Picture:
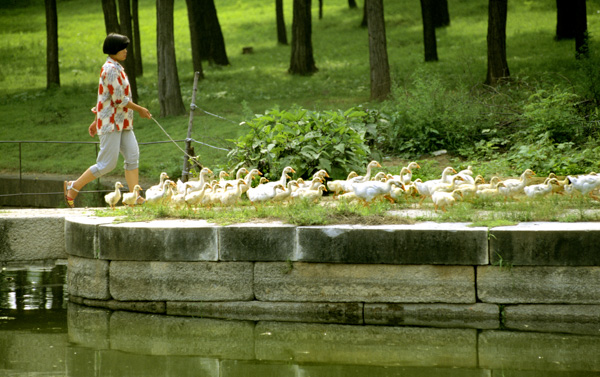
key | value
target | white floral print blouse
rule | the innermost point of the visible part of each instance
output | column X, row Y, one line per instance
column 113, row 94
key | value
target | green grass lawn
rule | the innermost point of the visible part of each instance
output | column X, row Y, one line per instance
column 253, row 83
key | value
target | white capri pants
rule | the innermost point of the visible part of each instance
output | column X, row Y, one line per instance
column 110, row 145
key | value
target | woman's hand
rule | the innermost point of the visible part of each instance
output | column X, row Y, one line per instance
column 144, row 113
column 93, row 130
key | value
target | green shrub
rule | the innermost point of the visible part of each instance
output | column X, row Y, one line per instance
column 429, row 117
column 337, row 141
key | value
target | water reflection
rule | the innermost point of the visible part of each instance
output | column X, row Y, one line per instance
column 39, row 336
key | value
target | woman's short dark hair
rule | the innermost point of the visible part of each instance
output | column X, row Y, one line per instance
column 114, row 43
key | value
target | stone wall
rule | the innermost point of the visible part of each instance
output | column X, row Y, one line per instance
column 538, row 276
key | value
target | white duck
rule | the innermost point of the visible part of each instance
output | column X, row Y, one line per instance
column 131, row 198
column 313, row 185
column 283, row 180
column 231, row 197
column 488, row 192
column 442, row 199
column 406, row 175
column 222, row 175
column 367, row 191
column 585, row 184
column 248, row 179
column 178, row 199
column 541, row 189
column 513, row 187
column 370, row 166
column 202, row 179
column 341, row 185
column 283, row 195
column 313, row 195
column 470, row 189
column 113, row 198
column 161, row 196
column 194, row 198
column 159, row 186
column 260, row 195
column 492, row 185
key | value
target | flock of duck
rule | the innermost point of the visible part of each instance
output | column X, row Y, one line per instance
column 444, row 192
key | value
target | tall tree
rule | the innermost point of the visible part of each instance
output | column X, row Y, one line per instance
column 52, row 70
column 281, row 32
column 127, row 29
column 212, row 43
column 139, row 69
column 195, row 37
column 497, row 66
column 302, row 60
column 441, row 16
column 320, row 9
column 365, row 19
column 111, row 18
column 565, row 19
column 352, row 4
column 581, row 34
column 169, row 92
column 429, row 40
column 378, row 57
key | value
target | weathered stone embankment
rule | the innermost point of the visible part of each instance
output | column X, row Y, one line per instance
column 531, row 276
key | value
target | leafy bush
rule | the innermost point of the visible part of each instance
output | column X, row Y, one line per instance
column 337, row 141
column 429, row 117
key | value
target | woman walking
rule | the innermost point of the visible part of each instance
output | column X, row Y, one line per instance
column 114, row 121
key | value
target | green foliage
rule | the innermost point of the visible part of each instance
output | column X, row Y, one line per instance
column 428, row 116
column 336, row 141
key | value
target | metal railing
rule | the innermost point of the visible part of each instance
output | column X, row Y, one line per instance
column 96, row 143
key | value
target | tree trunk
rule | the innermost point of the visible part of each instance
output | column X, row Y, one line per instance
column 565, row 19
column 195, row 37
column 581, row 34
column 352, row 4
column 429, row 40
column 441, row 16
column 111, row 19
column 52, row 70
column 210, row 31
column 281, row 32
column 169, row 92
column 320, row 9
column 496, row 42
column 378, row 57
column 139, row 69
column 129, row 63
column 302, row 60
column 365, row 20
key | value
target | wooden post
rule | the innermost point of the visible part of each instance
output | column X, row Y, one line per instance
column 188, row 142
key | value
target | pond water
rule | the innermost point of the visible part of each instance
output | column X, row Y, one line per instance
column 42, row 334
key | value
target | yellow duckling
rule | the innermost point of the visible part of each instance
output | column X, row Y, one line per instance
column 131, row 198
column 113, row 198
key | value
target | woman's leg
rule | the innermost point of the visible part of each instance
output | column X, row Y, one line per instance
column 106, row 162
column 131, row 155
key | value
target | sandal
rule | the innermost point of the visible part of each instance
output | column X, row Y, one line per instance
column 66, row 187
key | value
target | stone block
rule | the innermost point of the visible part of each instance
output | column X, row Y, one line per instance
column 546, row 244
column 478, row 316
column 347, row 313
column 31, row 238
column 366, row 345
column 181, row 281
column 506, row 350
column 246, row 368
column 88, row 278
column 427, row 243
column 152, row 334
column 88, row 327
column 81, row 235
column 162, row 240
column 257, row 242
column 575, row 319
column 322, row 282
column 538, row 285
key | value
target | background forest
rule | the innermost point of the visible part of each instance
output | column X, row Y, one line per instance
column 545, row 117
